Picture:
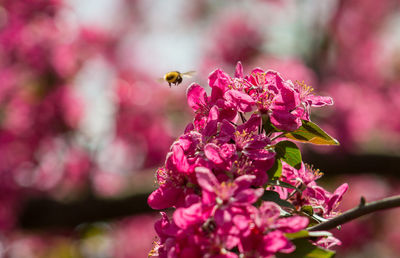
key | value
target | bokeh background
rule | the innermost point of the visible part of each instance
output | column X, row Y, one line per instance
column 84, row 123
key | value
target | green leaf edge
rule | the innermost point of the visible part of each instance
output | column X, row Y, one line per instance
column 320, row 137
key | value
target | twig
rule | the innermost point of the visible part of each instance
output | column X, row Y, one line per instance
column 277, row 136
column 387, row 203
column 242, row 117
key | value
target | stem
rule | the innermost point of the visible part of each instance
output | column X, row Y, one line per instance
column 242, row 117
column 277, row 136
column 387, row 203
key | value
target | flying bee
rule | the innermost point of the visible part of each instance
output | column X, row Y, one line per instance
column 176, row 77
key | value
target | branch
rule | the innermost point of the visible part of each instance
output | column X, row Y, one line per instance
column 350, row 164
column 40, row 213
column 362, row 209
column 46, row 213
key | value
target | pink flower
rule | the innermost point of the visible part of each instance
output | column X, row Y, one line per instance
column 264, row 233
column 323, row 202
column 308, row 100
column 213, row 173
column 209, row 108
column 275, row 97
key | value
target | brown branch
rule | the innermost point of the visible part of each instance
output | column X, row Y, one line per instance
column 40, row 213
column 361, row 210
column 44, row 213
column 350, row 164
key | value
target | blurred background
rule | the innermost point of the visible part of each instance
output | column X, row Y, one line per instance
column 84, row 123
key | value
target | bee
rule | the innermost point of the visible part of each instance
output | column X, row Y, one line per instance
column 176, row 77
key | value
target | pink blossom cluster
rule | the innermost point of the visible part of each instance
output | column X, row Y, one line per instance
column 363, row 75
column 41, row 110
column 38, row 104
column 215, row 175
column 323, row 202
column 42, row 147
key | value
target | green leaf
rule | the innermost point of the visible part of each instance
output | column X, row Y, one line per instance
column 272, row 196
column 311, row 133
column 307, row 209
column 299, row 234
column 305, row 234
column 319, row 233
column 283, row 184
column 304, row 249
column 267, row 125
column 276, row 170
column 289, row 152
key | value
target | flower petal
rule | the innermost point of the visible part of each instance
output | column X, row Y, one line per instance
column 239, row 70
column 164, row 197
column 319, row 101
column 292, row 224
column 206, row 179
column 249, row 195
column 284, row 120
column 218, row 81
column 212, row 152
column 276, row 242
column 196, row 96
column 185, row 217
column 240, row 100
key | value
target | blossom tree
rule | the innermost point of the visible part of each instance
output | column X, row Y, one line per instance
column 236, row 179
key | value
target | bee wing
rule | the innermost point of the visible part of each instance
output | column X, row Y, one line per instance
column 160, row 80
column 188, row 74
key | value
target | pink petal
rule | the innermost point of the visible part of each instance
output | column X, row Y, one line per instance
column 192, row 199
column 337, row 196
column 210, row 129
column 227, row 129
column 292, row 224
column 196, row 96
column 284, row 120
column 189, row 127
column 319, row 101
column 213, row 114
column 244, row 182
column 249, row 195
column 185, row 217
column 251, row 125
column 341, row 190
column 241, row 222
column 226, row 112
column 227, row 150
column 218, row 81
column 179, row 159
column 222, row 217
column 254, row 77
column 269, row 210
column 206, row 179
column 274, row 78
column 212, row 152
column 240, row 100
column 255, row 149
column 239, row 70
column 288, row 98
column 275, row 242
column 164, row 197
column 164, row 227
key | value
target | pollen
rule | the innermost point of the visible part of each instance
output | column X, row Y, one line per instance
column 304, row 88
column 313, row 170
column 242, row 134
